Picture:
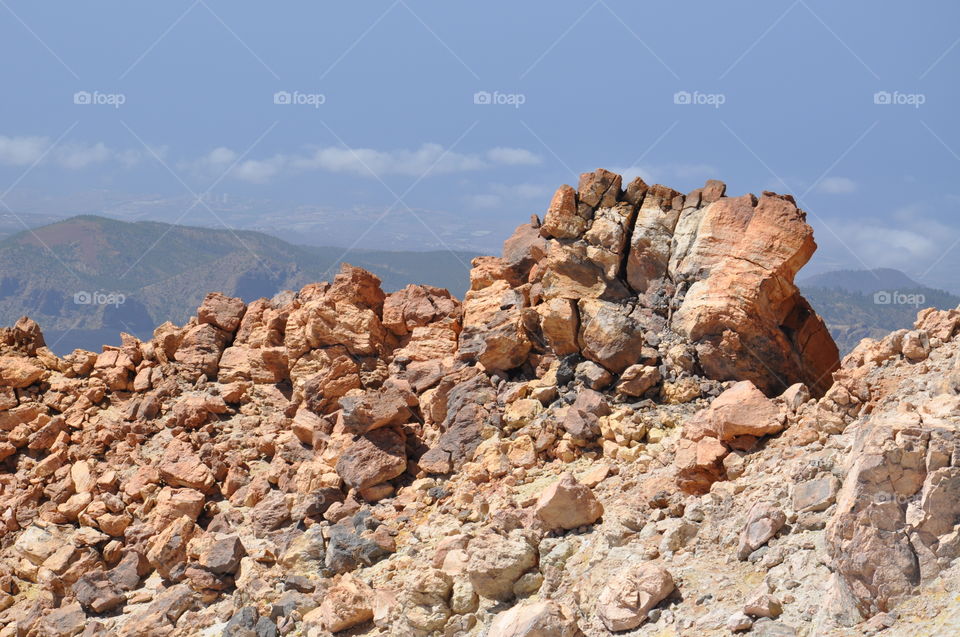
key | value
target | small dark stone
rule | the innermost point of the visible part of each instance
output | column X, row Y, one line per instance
column 365, row 521
column 347, row 551
column 265, row 628
column 567, row 369
column 437, row 493
column 291, row 601
column 223, row 556
column 299, row 583
column 97, row 593
column 128, row 571
column 243, row 620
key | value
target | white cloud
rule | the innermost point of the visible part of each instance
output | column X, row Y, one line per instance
column 837, row 186
column 631, row 173
column 214, row 163
column 429, row 158
column 25, row 151
column 513, row 156
column 505, row 194
column 908, row 239
column 22, row 151
column 77, row 156
column 259, row 171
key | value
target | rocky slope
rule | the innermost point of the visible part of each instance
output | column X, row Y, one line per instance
column 633, row 423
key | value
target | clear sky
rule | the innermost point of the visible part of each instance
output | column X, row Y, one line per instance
column 851, row 106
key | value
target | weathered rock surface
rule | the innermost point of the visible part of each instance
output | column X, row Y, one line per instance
column 623, row 604
column 567, row 504
column 633, row 422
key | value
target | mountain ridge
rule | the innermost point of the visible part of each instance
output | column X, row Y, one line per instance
column 160, row 269
column 859, row 304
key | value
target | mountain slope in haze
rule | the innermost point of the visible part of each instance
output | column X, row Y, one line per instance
column 859, row 304
column 372, row 226
column 89, row 274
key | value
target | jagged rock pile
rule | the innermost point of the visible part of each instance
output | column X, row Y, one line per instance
column 631, row 411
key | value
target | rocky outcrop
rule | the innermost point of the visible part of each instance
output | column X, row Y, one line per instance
column 623, row 266
column 537, row 460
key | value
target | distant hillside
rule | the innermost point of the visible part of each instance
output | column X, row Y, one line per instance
column 859, row 304
column 862, row 281
column 86, row 275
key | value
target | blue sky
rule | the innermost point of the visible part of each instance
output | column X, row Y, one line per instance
column 778, row 95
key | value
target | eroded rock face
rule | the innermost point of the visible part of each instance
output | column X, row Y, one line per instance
column 537, row 619
column 897, row 510
column 403, row 463
column 623, row 604
column 715, row 270
column 743, row 310
column 567, row 504
column 496, row 563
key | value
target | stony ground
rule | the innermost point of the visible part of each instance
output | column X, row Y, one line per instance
column 631, row 425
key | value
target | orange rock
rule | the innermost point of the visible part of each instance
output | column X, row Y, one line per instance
column 567, row 504
column 741, row 410
column 562, row 220
column 222, row 311
column 17, row 371
column 181, row 467
column 699, row 464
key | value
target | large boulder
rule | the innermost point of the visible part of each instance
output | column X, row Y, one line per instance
column 496, row 563
column 624, row 602
column 373, row 458
column 567, row 504
column 222, row 311
column 493, row 333
column 18, row 371
column 742, row 309
column 623, row 267
column 535, row 619
column 742, row 410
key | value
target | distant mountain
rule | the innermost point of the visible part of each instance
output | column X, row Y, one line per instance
column 90, row 276
column 859, row 304
column 374, row 227
column 11, row 224
column 862, row 281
